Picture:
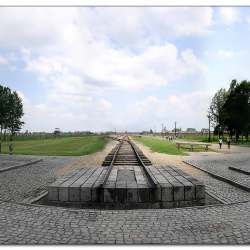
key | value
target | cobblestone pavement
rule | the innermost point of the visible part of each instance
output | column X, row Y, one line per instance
column 29, row 181
column 32, row 224
column 218, row 165
column 221, row 190
column 234, row 149
column 7, row 161
column 25, row 224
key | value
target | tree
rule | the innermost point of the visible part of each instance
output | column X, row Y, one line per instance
column 231, row 109
column 236, row 109
column 11, row 112
column 215, row 109
column 5, row 94
column 14, row 123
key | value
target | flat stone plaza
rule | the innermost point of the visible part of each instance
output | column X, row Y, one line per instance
column 23, row 221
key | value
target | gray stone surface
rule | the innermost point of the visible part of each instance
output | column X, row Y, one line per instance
column 219, row 189
column 21, row 183
column 28, row 224
column 219, row 166
column 243, row 169
column 8, row 162
column 25, row 224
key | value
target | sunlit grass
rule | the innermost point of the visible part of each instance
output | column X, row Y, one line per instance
column 67, row 146
column 159, row 145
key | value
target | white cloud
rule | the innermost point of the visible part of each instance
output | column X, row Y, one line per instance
column 48, row 26
column 75, row 115
column 248, row 19
column 226, row 54
column 155, row 66
column 84, row 43
column 135, row 26
column 77, row 53
column 44, row 66
column 229, row 15
column 106, row 105
column 141, row 26
column 155, row 111
column 3, row 60
column 98, row 114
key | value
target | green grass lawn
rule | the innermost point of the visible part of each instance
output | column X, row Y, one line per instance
column 67, row 146
column 214, row 139
column 159, row 145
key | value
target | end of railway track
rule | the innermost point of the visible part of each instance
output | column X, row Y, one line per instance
column 127, row 180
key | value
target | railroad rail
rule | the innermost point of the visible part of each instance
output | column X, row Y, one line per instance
column 127, row 179
column 127, row 153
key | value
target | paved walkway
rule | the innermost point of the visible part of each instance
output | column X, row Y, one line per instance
column 219, row 166
column 234, row 149
column 32, row 224
column 223, row 224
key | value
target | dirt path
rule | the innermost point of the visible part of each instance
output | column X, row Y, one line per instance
column 233, row 149
column 97, row 158
column 160, row 158
column 91, row 160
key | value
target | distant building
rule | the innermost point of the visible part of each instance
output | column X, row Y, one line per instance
column 204, row 130
column 178, row 131
column 191, row 130
column 57, row 131
column 26, row 133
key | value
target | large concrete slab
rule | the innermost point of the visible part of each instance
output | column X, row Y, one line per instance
column 128, row 186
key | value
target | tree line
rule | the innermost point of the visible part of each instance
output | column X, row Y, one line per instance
column 11, row 112
column 230, row 110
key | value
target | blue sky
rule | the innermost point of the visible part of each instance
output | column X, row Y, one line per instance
column 121, row 68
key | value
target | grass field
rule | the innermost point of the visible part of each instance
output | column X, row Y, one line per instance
column 214, row 139
column 66, row 146
column 159, row 145
column 43, row 135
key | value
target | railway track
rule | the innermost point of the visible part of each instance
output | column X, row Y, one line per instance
column 127, row 179
column 126, row 153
